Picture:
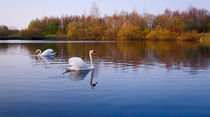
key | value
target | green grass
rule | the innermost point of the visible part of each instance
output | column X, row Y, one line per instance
column 54, row 36
column 11, row 37
column 50, row 36
column 206, row 35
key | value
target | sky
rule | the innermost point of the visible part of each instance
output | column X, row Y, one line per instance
column 19, row 13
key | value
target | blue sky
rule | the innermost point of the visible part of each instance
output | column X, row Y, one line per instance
column 18, row 13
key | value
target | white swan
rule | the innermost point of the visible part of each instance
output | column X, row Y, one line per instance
column 77, row 63
column 47, row 52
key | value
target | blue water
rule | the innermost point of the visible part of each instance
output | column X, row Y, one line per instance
column 131, row 79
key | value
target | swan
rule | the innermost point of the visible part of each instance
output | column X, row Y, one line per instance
column 47, row 52
column 77, row 64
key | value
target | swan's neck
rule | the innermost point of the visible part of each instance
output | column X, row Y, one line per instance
column 39, row 52
column 91, row 61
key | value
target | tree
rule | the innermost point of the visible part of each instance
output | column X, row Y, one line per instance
column 53, row 26
column 129, row 32
column 149, row 18
column 31, row 33
column 122, row 25
column 4, row 31
column 36, row 24
column 94, row 11
column 73, row 31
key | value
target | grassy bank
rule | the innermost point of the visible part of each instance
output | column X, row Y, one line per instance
column 204, row 36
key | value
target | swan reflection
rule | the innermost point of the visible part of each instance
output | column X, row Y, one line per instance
column 92, row 85
column 78, row 75
column 81, row 75
column 46, row 59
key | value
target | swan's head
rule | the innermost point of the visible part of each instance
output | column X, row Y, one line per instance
column 92, row 52
column 37, row 51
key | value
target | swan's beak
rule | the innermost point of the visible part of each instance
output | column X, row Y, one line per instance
column 94, row 52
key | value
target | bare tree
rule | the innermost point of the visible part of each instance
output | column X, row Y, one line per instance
column 94, row 11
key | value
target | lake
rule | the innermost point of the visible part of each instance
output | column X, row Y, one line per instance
column 131, row 78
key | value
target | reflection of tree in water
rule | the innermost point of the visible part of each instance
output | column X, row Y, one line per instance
column 12, row 49
column 3, row 47
column 135, row 53
column 175, row 55
column 181, row 54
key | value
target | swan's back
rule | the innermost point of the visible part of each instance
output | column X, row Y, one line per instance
column 48, row 52
column 78, row 64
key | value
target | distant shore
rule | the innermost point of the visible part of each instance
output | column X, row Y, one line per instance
column 203, row 37
column 192, row 24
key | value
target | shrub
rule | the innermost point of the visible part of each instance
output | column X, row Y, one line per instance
column 31, row 33
column 161, row 34
column 129, row 32
column 190, row 35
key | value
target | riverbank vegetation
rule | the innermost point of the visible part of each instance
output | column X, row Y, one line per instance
column 171, row 25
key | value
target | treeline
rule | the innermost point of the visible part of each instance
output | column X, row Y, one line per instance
column 171, row 25
column 6, row 33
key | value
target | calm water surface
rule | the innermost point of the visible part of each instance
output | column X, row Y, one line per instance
column 140, row 78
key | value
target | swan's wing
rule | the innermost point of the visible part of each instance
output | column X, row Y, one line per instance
column 47, row 52
column 78, row 63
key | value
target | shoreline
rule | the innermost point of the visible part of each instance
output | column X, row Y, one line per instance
column 59, row 39
column 203, row 37
column 41, row 39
